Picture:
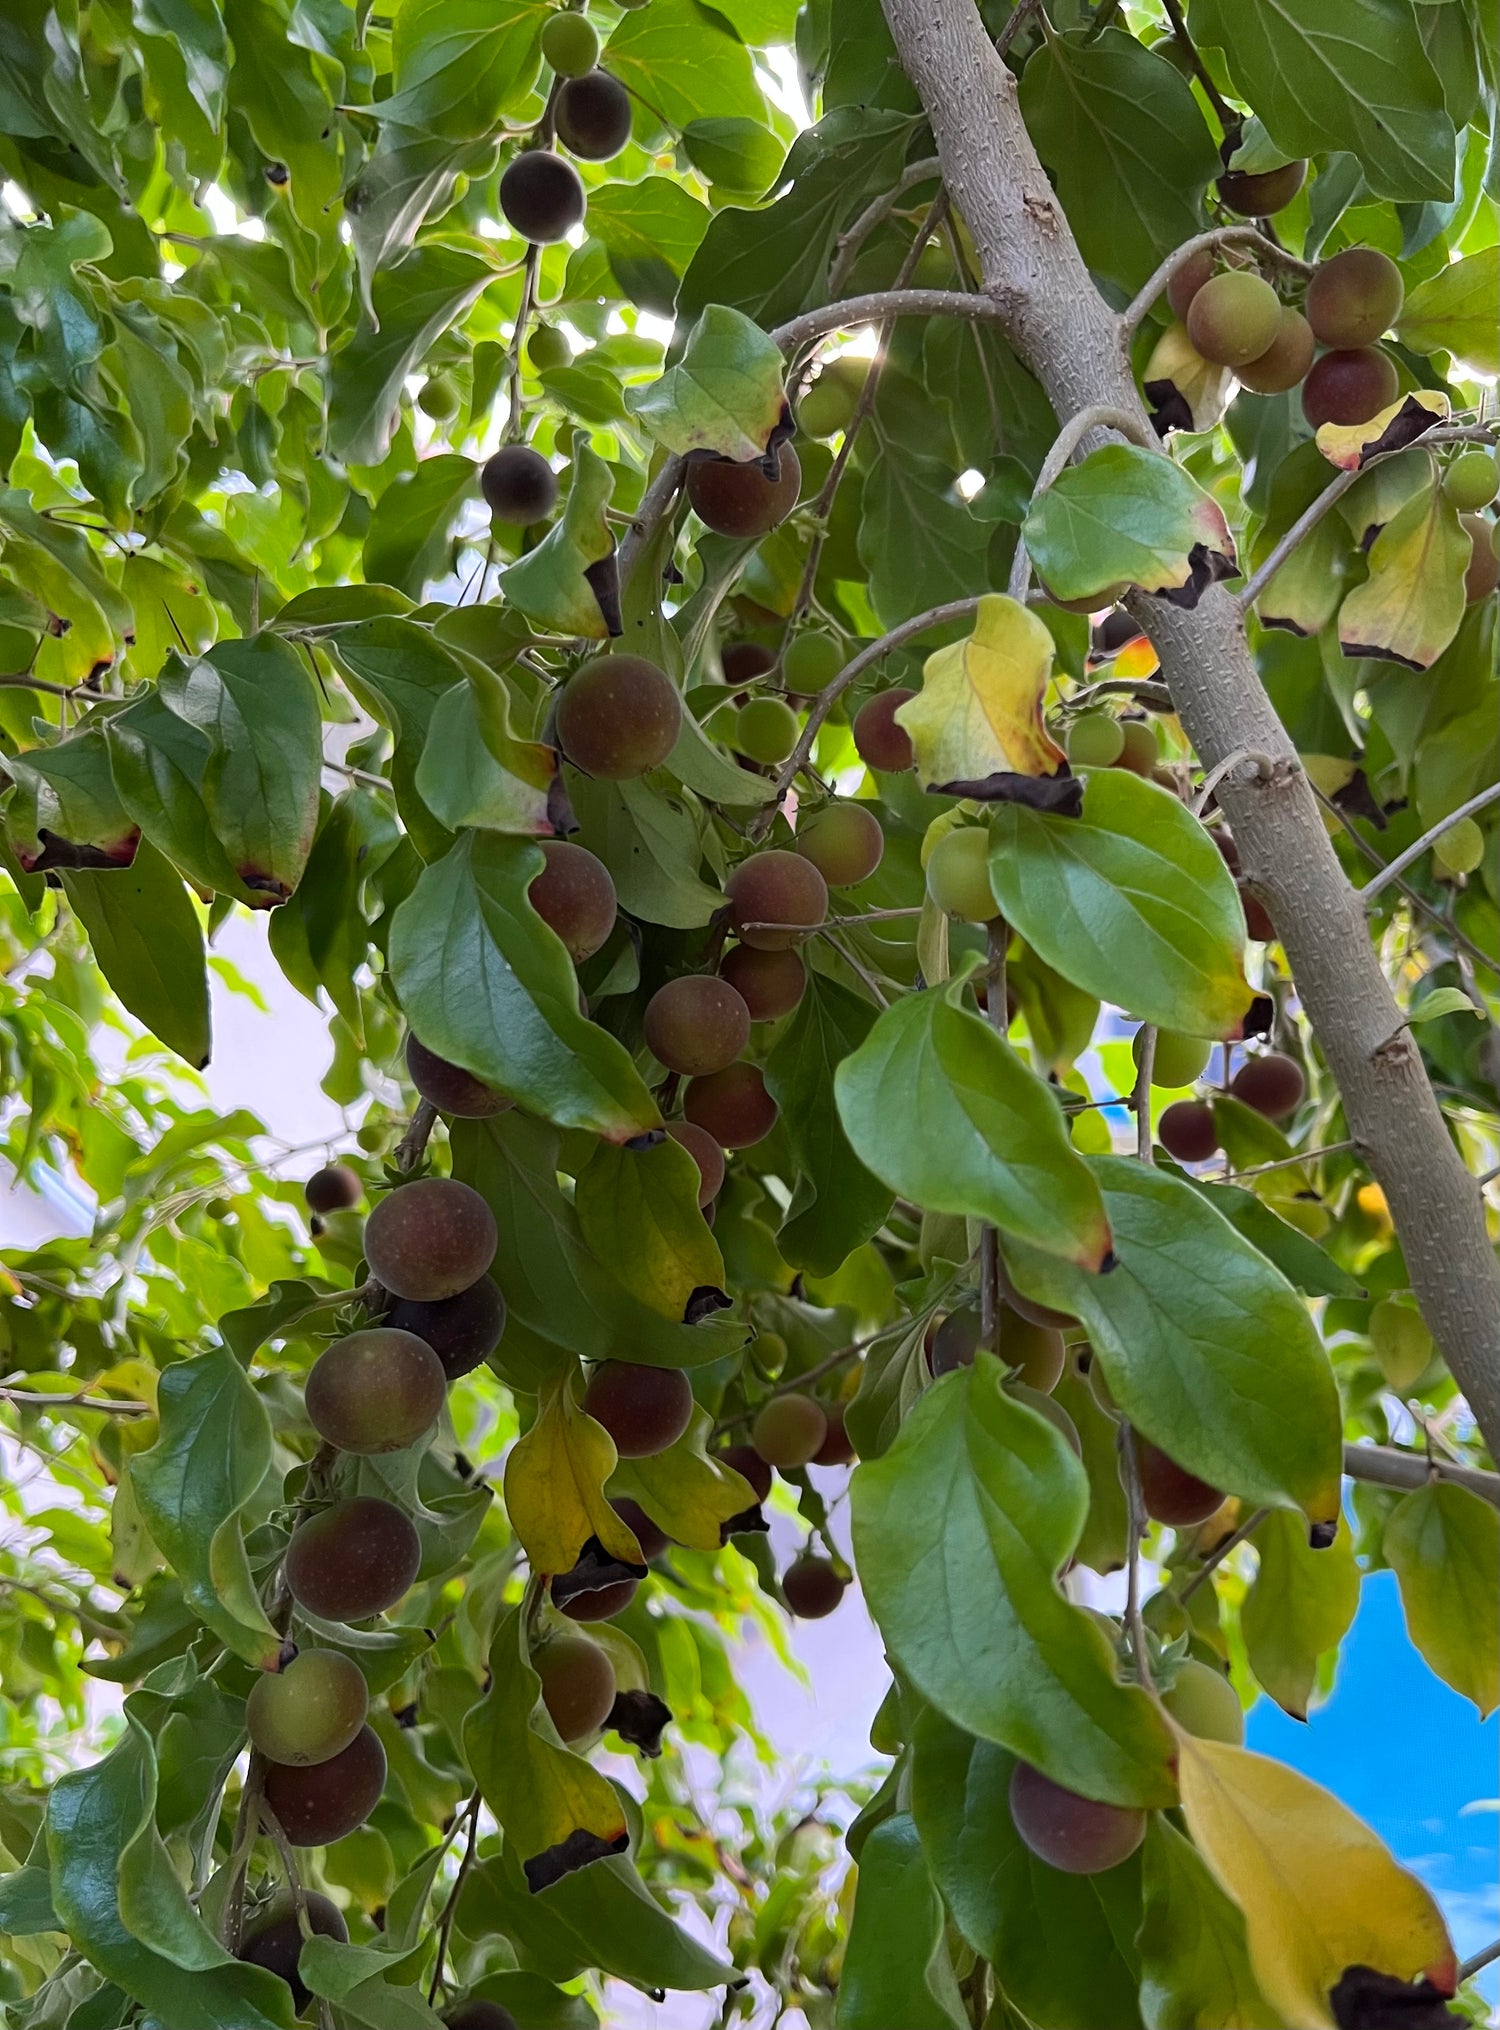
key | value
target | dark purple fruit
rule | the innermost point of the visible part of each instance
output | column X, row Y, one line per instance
column 1273, row 1085
column 1349, row 387
column 1186, row 1130
column 430, row 1239
column 811, row 1588
column 542, row 196
column 738, row 500
column 1172, row 1494
column 450, row 1088
column 462, row 1331
column 335, row 1188
column 318, row 1805
column 353, row 1560
column 1258, row 195
column 477, row 2013
column 748, row 1464
column 275, row 1942
column 644, row 1409
column 652, row 1539
column 837, row 1448
column 593, row 116
column 519, row 485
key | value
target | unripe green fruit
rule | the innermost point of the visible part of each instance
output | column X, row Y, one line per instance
column 1204, row 1703
column 958, row 875
column 1140, row 752
column 788, row 1430
column 1178, row 1060
column 829, row 404
column 308, row 1712
column 438, row 398
column 1233, row 318
column 548, row 347
column 768, row 1352
column 844, row 842
column 1402, row 1343
column 766, row 730
column 1095, row 741
column 578, row 1684
column 1035, row 1351
column 570, row 44
column 1472, row 480
column 813, row 660
column 1460, row 849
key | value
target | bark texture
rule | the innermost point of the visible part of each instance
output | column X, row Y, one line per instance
column 1072, row 341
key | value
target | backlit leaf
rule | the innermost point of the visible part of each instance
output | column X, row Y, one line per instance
column 686, row 1490
column 549, row 584
column 148, row 942
column 638, row 1208
column 1125, row 516
column 1454, row 312
column 554, row 1486
column 896, row 1969
column 1408, row 609
column 980, row 707
column 1300, row 1606
column 1443, row 1543
column 724, row 395
column 1195, row 1969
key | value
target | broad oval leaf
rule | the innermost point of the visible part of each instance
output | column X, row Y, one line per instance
column 638, row 1210
column 1443, row 1543
column 980, row 707
column 1128, row 517
column 1195, row 1967
column 1301, row 1606
column 148, row 942
column 1455, row 312
column 1409, row 608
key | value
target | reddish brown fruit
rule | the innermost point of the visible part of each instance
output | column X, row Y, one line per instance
column 652, row 1539
column 353, row 1560
column 1189, row 279
column 578, row 1684
column 275, row 1943
column 1172, row 1494
column 732, row 1106
column 450, row 1088
column 1273, row 1085
column 1068, row 1832
column 811, row 1588
column 1258, row 924
column 462, row 1331
column 644, row 1409
column 837, row 1448
column 769, row 983
column 1349, row 387
column 880, row 742
column 696, row 1025
column 1259, row 195
column 317, row 1805
column 743, row 661
column 430, row 1239
column 1483, row 573
column 738, row 500
column 1286, row 359
column 376, row 1391
column 1355, row 297
column 748, row 1464
column 619, row 715
column 335, row 1188
column 574, row 895
column 775, row 888
column 706, row 1153
column 600, row 1603
column 1186, row 1130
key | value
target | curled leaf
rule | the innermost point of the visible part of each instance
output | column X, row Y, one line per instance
column 1128, row 517
column 554, row 1487
column 551, row 584
column 1352, row 445
column 726, row 394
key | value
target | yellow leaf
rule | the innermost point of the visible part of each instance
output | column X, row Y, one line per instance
column 1409, row 608
column 554, row 1486
column 979, row 711
column 1351, row 445
column 1319, row 1891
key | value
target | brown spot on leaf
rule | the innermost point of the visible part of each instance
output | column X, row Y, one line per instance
column 1411, row 421
column 576, row 1851
column 1205, row 567
column 603, row 581
column 1061, row 793
column 60, row 852
column 703, row 1303
column 1364, row 1999
column 595, row 1570
column 1169, row 407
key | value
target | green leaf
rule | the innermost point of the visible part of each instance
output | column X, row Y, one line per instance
column 1454, row 312
column 896, row 1966
column 736, row 154
column 409, row 539
column 488, row 985
column 1132, row 902
column 1195, row 1967
column 994, row 1143
column 1129, row 151
column 724, row 395
column 554, row 1809
column 1443, row 1543
column 398, row 671
column 1409, row 607
column 413, row 305
column 320, row 937
column 686, row 1490
column 1103, row 1542
column 1301, row 1606
column 560, row 1296
column 918, row 540
column 1127, row 517
column 461, row 778
column 1203, row 1344
column 1442, row 1001
column 26, row 1902
column 698, row 765
column 160, row 762
column 892, row 1376
column 651, row 842
column 682, row 62
column 1306, row 1266
column 549, row 585
column 103, row 1847
column 148, row 943
column 64, row 810
column 1012, row 1908
column 638, row 1208
column 1340, row 74
column 193, row 1486
column 650, row 231
column 960, row 1531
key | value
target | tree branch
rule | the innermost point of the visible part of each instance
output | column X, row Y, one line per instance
column 1063, row 330
column 856, row 310
column 1221, row 236
column 1395, row 868
column 1387, row 1467
column 848, row 244
column 1229, row 120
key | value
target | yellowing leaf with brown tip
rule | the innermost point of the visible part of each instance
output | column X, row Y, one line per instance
column 1351, row 445
column 554, row 1486
column 1185, row 391
column 1409, row 608
column 979, row 711
column 1319, row 1891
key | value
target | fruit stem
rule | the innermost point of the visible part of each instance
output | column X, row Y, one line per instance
column 1136, row 1526
column 1418, row 902
column 409, row 1150
column 1220, row 1552
column 1394, row 868
column 246, row 1826
column 470, row 1813
column 1229, row 120
column 288, row 1861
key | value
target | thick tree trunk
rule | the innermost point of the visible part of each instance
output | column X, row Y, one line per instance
column 1070, row 338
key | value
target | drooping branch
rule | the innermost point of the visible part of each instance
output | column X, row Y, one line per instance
column 1394, row 869
column 1062, row 329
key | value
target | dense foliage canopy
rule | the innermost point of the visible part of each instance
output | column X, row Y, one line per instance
column 612, row 570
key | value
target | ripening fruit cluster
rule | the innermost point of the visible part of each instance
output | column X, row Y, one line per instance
column 541, row 194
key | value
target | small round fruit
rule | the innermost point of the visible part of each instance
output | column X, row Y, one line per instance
column 1472, row 480
column 1172, row 1494
column 578, row 1684
column 770, row 983
column 450, row 1088
column 788, row 1430
column 881, row 743
column 477, row 2013
column 1188, row 279
column 600, row 1603
column 1273, row 1085
column 829, row 404
column 766, row 730
column 768, row 1354
column 1403, row 1345
column 1095, row 741
column 732, row 1106
column 1460, row 849
column 547, row 348
column 518, row 485
column 574, row 895
column 748, row 1464
column 644, row 1409
column 1259, row 194
column 1178, row 1060
column 706, row 1153
column 618, row 716
column 813, row 660
column 1285, row 360
column 1204, row 1703
column 463, row 1331
column 570, row 43
column 334, row 1188
column 743, row 661
column 837, row 1448
column 275, row 1943
column 593, row 116
column 696, row 1024
column 1038, row 1352
column 1233, row 318
column 1483, row 574
column 651, row 1537
column 308, row 1711
column 353, row 1560
column 1354, row 297
column 1139, row 749
column 542, row 196
column 1349, row 387
column 844, row 842
column 1186, row 1131
column 438, row 397
column 316, row 1806
column 953, row 1343
column 376, row 1391
column 1075, row 1834
column 958, row 875
column 812, row 1588
column 739, row 500
column 775, row 898
column 430, row 1239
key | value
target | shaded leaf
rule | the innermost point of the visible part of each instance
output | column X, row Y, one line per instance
column 638, row 1209
column 409, row 539
column 1410, row 416
column 64, row 810
column 462, row 778
column 1195, row 1969
column 550, row 584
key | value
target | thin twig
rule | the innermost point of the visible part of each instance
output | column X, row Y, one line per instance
column 518, row 339
column 1140, row 1098
column 1290, row 1162
column 1220, row 1552
column 41, row 1400
column 880, row 303
column 409, row 1150
column 1229, row 120
column 288, row 1860
column 1478, row 1961
column 1135, row 1532
column 246, row 1826
column 1220, row 236
column 1226, row 767
column 848, row 244
column 1418, row 902
column 1020, row 14
column 450, row 1908
column 801, row 1381
column 21, row 680
column 1395, row 868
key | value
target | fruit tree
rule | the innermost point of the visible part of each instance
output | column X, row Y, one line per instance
column 852, row 647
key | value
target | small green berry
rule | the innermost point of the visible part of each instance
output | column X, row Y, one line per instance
column 766, row 730
column 1472, row 480
column 570, row 44
column 438, row 397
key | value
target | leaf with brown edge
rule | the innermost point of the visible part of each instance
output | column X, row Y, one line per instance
column 554, row 1486
column 551, row 584
column 1184, row 390
column 556, row 1812
column 1128, row 517
column 1352, row 445
column 979, row 711
column 1409, row 608
column 1320, row 1892
column 64, row 810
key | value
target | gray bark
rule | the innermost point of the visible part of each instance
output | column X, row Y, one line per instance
column 1071, row 339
